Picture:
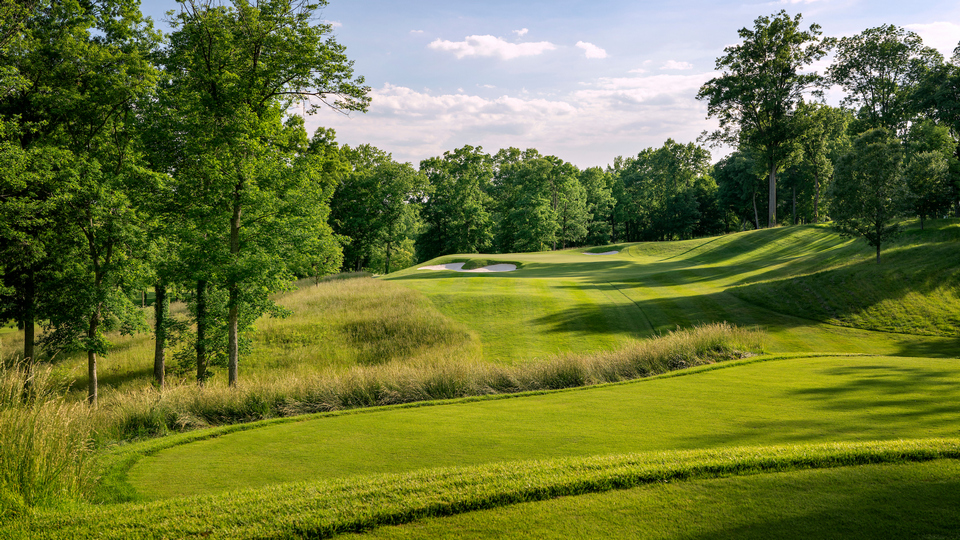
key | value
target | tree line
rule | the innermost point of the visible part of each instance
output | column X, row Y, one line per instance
column 134, row 161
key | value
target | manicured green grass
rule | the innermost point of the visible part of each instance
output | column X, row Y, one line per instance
column 813, row 292
column 916, row 500
column 323, row 509
column 746, row 403
column 774, row 278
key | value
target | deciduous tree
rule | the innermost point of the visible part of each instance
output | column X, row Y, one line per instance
column 762, row 82
column 869, row 192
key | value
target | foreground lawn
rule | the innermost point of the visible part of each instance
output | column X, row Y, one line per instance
column 916, row 500
column 746, row 403
column 326, row 508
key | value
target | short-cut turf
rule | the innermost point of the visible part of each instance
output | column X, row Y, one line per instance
column 916, row 500
column 746, row 403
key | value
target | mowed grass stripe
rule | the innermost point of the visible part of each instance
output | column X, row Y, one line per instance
column 791, row 401
column 911, row 500
column 327, row 508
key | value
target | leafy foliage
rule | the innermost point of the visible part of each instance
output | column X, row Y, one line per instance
column 879, row 68
column 869, row 193
column 760, row 86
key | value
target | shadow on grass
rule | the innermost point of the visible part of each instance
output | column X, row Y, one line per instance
column 645, row 317
column 846, row 292
column 904, row 507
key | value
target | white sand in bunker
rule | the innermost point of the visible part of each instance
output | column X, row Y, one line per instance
column 604, row 253
column 458, row 267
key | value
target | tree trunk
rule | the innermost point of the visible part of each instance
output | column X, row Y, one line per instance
column 92, row 358
column 160, row 304
column 816, row 196
column 772, row 216
column 794, row 205
column 878, row 252
column 234, row 308
column 756, row 214
column 29, row 332
column 232, row 344
column 201, row 331
column 389, row 245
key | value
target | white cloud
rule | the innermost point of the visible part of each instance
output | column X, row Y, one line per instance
column 673, row 64
column 491, row 46
column 416, row 31
column 638, row 70
column 334, row 24
column 521, row 32
column 943, row 36
column 589, row 126
column 592, row 50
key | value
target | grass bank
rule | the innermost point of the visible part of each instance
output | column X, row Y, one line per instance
column 324, row 509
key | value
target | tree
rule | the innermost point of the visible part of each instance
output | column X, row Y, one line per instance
column 761, row 84
column 456, row 213
column 929, row 160
column 869, row 191
column 823, row 132
column 246, row 185
column 600, row 202
column 879, row 69
column 739, row 186
column 373, row 202
column 74, row 70
column 572, row 210
column 524, row 194
column 662, row 185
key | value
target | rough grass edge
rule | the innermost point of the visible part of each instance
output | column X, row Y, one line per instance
column 326, row 508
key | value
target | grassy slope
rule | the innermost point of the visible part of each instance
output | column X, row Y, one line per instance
column 777, row 278
column 566, row 301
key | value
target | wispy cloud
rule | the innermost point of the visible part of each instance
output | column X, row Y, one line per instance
column 943, row 36
column 606, row 117
column 673, row 64
column 592, row 50
column 491, row 46
column 335, row 24
column 416, row 31
column 522, row 32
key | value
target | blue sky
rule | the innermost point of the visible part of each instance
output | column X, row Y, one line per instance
column 583, row 80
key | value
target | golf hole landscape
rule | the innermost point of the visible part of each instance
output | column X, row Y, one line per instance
column 664, row 391
column 226, row 314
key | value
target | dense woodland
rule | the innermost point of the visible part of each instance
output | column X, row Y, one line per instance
column 179, row 164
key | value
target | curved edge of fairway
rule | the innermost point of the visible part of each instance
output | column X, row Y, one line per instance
column 114, row 466
column 326, row 508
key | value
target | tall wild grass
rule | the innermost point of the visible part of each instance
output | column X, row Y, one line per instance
column 148, row 412
column 45, row 442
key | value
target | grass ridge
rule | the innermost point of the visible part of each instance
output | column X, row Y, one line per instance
column 326, row 508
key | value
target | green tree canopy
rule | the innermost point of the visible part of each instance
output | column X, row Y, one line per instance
column 762, row 82
column 245, row 179
column 879, row 69
column 456, row 214
column 869, row 192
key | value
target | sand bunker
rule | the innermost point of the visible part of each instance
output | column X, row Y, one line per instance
column 458, row 267
column 604, row 253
